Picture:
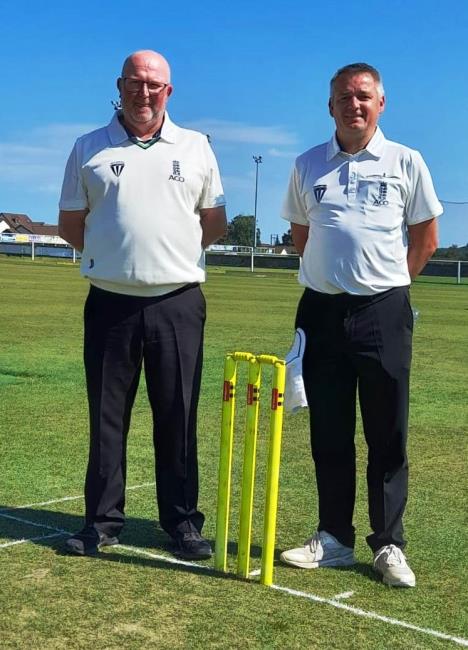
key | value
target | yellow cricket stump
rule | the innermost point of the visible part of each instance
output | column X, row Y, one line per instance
column 248, row 469
column 273, row 467
column 225, row 462
column 248, row 474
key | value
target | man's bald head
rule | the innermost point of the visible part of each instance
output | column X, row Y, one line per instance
column 151, row 61
column 145, row 87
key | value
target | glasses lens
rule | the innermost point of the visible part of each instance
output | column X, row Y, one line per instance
column 155, row 88
column 136, row 85
column 133, row 85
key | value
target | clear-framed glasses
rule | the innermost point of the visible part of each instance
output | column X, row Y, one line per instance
column 136, row 85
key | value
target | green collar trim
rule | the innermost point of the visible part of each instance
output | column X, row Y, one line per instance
column 143, row 144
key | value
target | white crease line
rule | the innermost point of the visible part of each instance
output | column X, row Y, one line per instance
column 33, row 523
column 333, row 602
column 301, row 594
column 373, row 615
column 293, row 592
column 345, row 594
column 47, row 503
column 30, row 539
column 44, row 503
column 164, row 558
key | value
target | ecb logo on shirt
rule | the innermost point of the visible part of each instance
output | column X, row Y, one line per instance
column 117, row 167
column 382, row 197
column 319, row 191
column 175, row 176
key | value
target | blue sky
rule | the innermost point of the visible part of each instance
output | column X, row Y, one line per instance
column 254, row 75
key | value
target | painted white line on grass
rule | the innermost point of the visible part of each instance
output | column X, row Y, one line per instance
column 292, row 592
column 163, row 558
column 373, row 615
column 318, row 599
column 61, row 500
column 30, row 539
column 43, row 503
column 345, row 594
column 33, row 523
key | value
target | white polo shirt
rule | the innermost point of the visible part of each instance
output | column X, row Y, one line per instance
column 358, row 208
column 142, row 234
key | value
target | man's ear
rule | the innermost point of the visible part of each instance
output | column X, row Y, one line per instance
column 119, row 84
column 382, row 104
column 330, row 107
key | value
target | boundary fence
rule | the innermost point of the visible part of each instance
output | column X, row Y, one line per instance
column 245, row 258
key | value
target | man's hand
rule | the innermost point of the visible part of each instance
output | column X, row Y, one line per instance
column 299, row 234
column 423, row 242
column 213, row 223
column 71, row 227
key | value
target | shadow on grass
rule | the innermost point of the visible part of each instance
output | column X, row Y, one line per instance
column 39, row 526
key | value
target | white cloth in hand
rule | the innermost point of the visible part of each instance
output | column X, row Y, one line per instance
column 294, row 395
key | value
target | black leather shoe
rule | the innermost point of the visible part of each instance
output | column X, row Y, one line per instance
column 88, row 541
column 192, row 546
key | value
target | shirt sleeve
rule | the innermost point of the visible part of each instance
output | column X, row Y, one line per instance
column 293, row 207
column 212, row 195
column 74, row 195
column 422, row 203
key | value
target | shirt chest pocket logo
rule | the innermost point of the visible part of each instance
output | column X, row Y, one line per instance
column 381, row 190
column 381, row 199
column 176, row 175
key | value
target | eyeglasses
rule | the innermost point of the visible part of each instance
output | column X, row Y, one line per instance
column 136, row 85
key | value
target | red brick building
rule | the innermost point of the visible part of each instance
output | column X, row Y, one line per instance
column 22, row 224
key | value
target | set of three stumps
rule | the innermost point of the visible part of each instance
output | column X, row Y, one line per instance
column 254, row 380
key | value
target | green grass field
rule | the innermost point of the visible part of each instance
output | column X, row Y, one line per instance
column 131, row 596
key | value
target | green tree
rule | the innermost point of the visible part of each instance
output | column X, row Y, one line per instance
column 286, row 239
column 452, row 252
column 240, row 231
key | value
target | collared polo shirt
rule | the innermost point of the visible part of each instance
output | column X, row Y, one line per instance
column 358, row 208
column 142, row 233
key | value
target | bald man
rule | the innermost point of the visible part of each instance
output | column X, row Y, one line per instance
column 142, row 198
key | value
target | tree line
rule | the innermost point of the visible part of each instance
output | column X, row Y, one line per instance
column 240, row 232
column 453, row 252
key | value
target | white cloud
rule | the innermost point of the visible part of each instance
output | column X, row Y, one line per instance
column 277, row 153
column 226, row 131
column 38, row 159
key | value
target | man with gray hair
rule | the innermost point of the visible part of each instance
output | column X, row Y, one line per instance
column 362, row 212
column 141, row 199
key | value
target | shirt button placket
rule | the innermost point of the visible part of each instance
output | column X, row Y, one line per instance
column 352, row 181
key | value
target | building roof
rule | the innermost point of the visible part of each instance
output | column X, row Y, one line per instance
column 45, row 229
column 21, row 223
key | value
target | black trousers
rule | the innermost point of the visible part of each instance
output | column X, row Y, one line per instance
column 359, row 345
column 165, row 335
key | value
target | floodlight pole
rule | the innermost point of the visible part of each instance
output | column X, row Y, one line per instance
column 257, row 160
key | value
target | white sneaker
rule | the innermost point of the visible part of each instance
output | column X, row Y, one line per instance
column 320, row 550
column 390, row 562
